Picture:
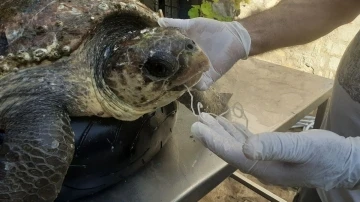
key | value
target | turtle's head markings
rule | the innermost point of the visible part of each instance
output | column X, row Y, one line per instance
column 149, row 69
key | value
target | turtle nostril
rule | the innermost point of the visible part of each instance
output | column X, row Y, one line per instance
column 190, row 46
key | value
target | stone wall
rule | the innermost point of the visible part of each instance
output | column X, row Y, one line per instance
column 320, row 57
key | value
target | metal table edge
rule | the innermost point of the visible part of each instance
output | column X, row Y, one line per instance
column 302, row 113
column 200, row 189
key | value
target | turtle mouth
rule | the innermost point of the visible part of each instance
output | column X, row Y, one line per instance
column 189, row 83
column 179, row 88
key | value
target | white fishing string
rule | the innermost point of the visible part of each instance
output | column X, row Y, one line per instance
column 236, row 106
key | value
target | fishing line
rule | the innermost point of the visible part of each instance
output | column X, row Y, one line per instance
column 237, row 107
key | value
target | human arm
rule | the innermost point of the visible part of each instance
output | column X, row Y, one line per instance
column 296, row 22
column 313, row 159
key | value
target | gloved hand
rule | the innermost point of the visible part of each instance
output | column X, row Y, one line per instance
column 314, row 158
column 223, row 42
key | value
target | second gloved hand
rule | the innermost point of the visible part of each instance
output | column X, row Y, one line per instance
column 313, row 159
column 223, row 42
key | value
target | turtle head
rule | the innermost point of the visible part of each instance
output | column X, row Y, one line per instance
column 151, row 67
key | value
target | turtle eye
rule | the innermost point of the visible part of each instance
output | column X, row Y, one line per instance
column 160, row 66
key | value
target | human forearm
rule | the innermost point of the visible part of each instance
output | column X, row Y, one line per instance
column 296, row 22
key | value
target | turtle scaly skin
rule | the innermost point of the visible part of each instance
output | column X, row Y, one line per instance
column 124, row 67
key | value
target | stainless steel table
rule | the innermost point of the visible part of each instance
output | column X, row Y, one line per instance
column 274, row 98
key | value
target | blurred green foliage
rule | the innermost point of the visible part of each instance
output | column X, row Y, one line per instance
column 205, row 9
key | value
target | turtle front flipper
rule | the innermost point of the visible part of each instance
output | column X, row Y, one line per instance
column 36, row 152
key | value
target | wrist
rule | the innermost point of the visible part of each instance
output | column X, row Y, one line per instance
column 242, row 36
column 353, row 171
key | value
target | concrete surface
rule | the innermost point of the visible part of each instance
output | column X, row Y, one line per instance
column 232, row 191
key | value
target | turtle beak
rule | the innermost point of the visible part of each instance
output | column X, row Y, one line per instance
column 189, row 84
column 190, row 73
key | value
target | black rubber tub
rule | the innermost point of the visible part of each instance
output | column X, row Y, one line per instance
column 108, row 150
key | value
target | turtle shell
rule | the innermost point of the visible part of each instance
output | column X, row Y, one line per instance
column 42, row 31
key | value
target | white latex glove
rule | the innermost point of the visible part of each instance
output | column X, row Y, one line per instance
column 314, row 159
column 223, row 42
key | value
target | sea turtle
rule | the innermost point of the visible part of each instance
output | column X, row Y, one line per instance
column 105, row 58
